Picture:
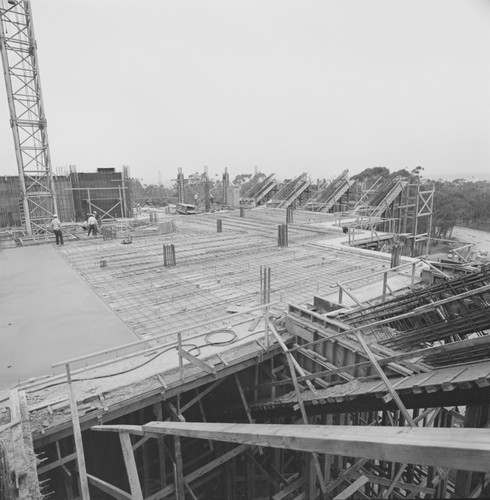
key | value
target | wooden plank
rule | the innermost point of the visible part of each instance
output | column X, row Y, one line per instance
column 289, row 489
column 161, row 448
column 295, row 363
column 244, row 400
column 197, row 362
column 178, row 470
column 131, row 470
column 385, row 379
column 108, row 488
column 56, row 463
column 394, row 481
column 467, row 448
column 9, row 425
column 358, row 483
column 419, row 488
column 141, row 400
column 347, row 474
column 198, row 473
column 315, row 461
column 77, row 434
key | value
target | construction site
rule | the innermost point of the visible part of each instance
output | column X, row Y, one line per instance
column 300, row 340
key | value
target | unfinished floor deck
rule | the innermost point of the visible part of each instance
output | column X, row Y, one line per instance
column 216, row 270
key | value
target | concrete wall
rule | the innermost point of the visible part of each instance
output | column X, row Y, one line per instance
column 72, row 203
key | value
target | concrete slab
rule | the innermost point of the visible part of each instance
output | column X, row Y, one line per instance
column 48, row 314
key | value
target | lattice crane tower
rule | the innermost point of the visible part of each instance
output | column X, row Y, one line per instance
column 21, row 70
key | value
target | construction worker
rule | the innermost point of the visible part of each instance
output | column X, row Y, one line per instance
column 92, row 225
column 56, row 225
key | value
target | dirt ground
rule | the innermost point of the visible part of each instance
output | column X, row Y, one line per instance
column 481, row 239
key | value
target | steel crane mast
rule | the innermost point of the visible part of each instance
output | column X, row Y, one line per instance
column 21, row 71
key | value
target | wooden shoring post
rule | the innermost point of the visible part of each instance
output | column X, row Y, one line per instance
column 229, row 477
column 304, row 416
column 162, row 469
column 310, row 477
column 351, row 295
column 293, row 361
column 131, row 469
column 352, row 488
column 88, row 200
column 273, row 375
column 261, row 287
column 144, row 457
column 203, row 393
column 203, row 417
column 77, row 435
column 109, row 489
column 242, row 397
column 178, row 470
column 249, row 478
column 256, row 382
column 394, row 483
column 181, row 361
column 384, row 378
column 268, row 286
column 121, row 201
column 176, row 415
column 67, row 475
column 414, row 265
column 346, row 474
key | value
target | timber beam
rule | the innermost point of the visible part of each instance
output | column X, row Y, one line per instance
column 455, row 448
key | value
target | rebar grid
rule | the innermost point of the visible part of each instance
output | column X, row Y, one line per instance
column 213, row 271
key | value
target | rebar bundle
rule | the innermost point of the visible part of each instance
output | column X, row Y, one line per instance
column 169, row 255
column 451, row 318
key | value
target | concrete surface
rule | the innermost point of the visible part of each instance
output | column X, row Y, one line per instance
column 48, row 314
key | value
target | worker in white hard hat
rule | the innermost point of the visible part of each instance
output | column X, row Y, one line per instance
column 56, row 225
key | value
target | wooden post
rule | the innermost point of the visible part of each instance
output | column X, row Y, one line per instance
column 77, row 434
column 181, row 362
column 132, row 471
column 266, row 327
column 161, row 447
column 88, row 200
column 179, row 476
column 383, row 376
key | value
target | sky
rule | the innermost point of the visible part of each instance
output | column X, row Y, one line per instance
column 287, row 86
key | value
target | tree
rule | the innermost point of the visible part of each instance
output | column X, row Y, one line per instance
column 247, row 185
column 241, row 179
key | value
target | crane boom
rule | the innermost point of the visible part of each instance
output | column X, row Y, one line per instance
column 18, row 50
